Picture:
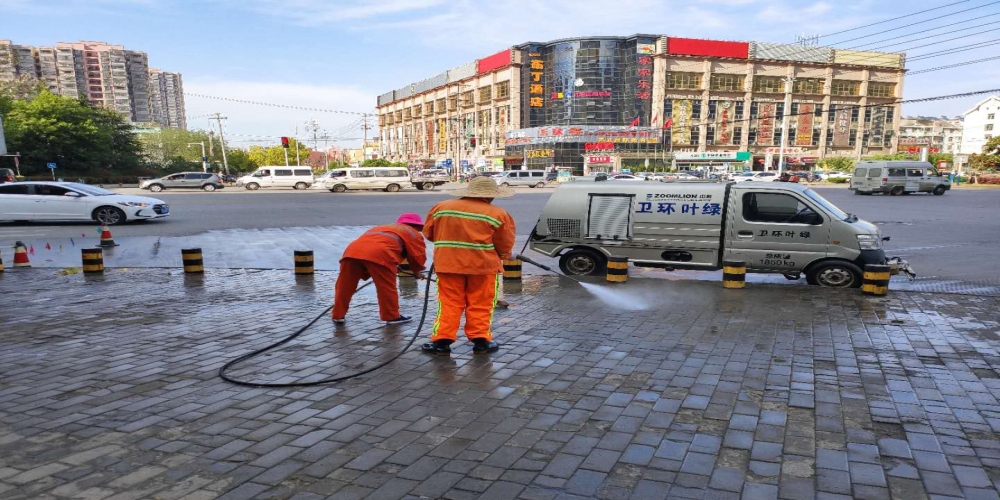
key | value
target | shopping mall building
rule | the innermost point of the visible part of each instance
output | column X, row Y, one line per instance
column 645, row 102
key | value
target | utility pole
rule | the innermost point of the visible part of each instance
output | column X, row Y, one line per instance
column 222, row 141
column 784, row 122
column 204, row 159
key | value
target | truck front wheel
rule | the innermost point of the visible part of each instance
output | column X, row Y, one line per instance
column 582, row 262
column 835, row 274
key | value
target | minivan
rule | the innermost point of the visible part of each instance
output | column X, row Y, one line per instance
column 389, row 179
column 293, row 177
column 530, row 178
column 774, row 227
column 898, row 177
column 184, row 180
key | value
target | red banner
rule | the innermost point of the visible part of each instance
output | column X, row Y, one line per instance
column 804, row 130
column 765, row 124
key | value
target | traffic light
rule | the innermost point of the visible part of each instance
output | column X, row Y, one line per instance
column 472, row 141
column 284, row 142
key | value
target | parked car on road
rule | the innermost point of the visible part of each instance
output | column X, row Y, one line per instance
column 184, row 180
column 47, row 201
column 898, row 177
column 626, row 177
column 514, row 178
column 756, row 176
column 264, row 177
column 390, row 179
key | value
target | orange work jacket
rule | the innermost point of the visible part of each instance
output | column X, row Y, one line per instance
column 470, row 236
column 388, row 245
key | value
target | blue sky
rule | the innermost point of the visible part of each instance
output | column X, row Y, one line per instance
column 337, row 54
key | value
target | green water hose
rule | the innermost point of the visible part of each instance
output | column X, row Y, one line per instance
column 300, row 331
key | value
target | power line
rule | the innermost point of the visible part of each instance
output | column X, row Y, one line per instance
column 919, row 22
column 955, row 50
column 966, row 63
column 273, row 105
column 893, row 19
column 948, row 40
column 931, row 29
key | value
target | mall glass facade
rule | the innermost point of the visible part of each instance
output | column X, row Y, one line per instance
column 591, row 86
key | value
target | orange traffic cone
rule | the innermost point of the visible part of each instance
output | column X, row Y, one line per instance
column 21, row 255
column 106, row 239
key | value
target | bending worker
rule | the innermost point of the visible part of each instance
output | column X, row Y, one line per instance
column 470, row 237
column 376, row 255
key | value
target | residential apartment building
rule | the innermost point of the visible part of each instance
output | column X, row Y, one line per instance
column 605, row 103
column 105, row 74
column 939, row 135
column 980, row 124
column 166, row 98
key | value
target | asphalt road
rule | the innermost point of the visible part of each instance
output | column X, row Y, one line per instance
column 955, row 237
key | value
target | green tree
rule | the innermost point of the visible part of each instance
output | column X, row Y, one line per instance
column 240, row 162
column 989, row 160
column 275, row 155
column 837, row 163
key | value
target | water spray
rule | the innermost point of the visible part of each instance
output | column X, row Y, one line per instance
column 522, row 258
column 616, row 298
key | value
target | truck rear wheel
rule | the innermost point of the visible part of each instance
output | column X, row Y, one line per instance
column 938, row 191
column 896, row 191
column 428, row 186
column 582, row 262
column 835, row 274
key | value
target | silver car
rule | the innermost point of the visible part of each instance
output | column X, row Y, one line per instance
column 184, row 180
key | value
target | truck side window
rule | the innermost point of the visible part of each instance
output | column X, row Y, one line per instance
column 874, row 173
column 777, row 208
column 915, row 172
column 897, row 172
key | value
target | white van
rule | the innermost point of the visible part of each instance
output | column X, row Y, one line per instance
column 530, row 178
column 293, row 177
column 774, row 227
column 898, row 177
column 390, row 179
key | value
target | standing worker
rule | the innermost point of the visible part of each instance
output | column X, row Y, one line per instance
column 376, row 255
column 470, row 238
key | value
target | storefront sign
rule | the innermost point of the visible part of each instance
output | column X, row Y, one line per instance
column 804, row 130
column 914, row 140
column 765, row 123
column 584, row 134
column 680, row 134
column 878, row 127
column 536, row 84
column 599, row 159
column 541, row 153
column 580, row 95
column 916, row 149
column 498, row 162
column 644, row 72
column 442, row 135
column 714, row 155
column 429, row 128
column 788, row 150
column 599, row 146
column 724, row 136
column 842, row 128
column 645, row 48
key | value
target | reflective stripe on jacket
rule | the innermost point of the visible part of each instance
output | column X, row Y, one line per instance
column 388, row 245
column 470, row 236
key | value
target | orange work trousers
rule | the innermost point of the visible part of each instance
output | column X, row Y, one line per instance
column 472, row 294
column 353, row 271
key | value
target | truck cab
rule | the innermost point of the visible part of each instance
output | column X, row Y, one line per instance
column 774, row 227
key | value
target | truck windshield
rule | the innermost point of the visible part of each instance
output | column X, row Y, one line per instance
column 829, row 207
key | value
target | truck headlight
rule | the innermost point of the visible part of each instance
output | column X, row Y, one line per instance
column 869, row 242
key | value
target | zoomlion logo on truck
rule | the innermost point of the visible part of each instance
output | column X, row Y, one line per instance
column 670, row 196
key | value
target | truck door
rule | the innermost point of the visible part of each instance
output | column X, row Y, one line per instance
column 775, row 231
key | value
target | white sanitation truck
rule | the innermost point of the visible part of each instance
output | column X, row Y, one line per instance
column 774, row 227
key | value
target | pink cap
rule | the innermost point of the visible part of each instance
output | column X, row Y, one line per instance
column 410, row 219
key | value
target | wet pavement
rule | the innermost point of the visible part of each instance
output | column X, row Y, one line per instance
column 108, row 390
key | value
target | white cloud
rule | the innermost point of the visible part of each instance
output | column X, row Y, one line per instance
column 248, row 122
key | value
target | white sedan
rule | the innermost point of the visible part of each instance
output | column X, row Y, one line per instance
column 47, row 201
column 626, row 177
column 757, row 176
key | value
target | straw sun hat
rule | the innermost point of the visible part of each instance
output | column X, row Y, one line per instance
column 483, row 187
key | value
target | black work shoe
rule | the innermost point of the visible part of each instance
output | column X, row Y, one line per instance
column 399, row 320
column 481, row 346
column 440, row 348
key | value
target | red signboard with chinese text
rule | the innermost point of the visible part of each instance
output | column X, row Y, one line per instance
column 804, row 129
column 494, row 62
column 765, row 124
column 599, row 159
column 599, row 146
column 713, row 48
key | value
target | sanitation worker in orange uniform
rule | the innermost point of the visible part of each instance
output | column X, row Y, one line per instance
column 470, row 238
column 376, row 255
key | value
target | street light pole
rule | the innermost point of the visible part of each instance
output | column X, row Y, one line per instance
column 784, row 123
column 204, row 159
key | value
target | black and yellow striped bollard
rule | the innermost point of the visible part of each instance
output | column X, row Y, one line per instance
column 876, row 279
column 193, row 263
column 403, row 269
column 617, row 269
column 304, row 263
column 512, row 270
column 734, row 274
column 93, row 260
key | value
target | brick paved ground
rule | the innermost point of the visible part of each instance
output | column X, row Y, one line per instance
column 108, row 391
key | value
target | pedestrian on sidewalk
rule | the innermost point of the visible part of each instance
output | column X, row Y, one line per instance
column 376, row 255
column 470, row 238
